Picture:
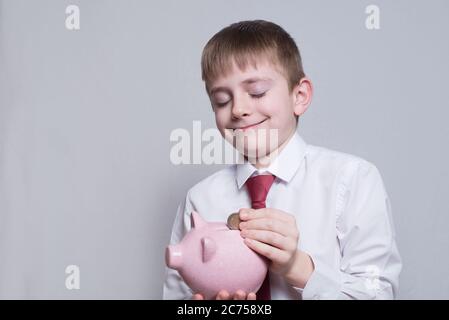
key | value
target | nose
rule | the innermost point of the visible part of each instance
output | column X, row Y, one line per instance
column 240, row 109
column 173, row 257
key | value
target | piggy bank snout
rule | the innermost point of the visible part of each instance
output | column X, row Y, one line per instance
column 173, row 256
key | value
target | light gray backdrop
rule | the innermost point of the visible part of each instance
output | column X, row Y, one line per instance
column 85, row 120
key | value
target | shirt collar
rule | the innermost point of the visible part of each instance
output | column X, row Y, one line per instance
column 283, row 167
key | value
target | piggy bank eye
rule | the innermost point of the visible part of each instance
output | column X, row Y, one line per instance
column 208, row 247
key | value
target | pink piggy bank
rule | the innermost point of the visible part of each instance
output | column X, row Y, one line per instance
column 211, row 257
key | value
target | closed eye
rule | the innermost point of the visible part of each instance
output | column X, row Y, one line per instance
column 258, row 96
column 221, row 104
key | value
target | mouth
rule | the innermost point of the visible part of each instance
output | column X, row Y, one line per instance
column 251, row 126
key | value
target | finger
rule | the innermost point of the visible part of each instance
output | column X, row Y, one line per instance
column 274, row 225
column 223, row 295
column 251, row 214
column 251, row 296
column 274, row 254
column 239, row 295
column 269, row 237
column 197, row 296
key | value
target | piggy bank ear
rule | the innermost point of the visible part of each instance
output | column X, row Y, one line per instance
column 196, row 221
column 208, row 246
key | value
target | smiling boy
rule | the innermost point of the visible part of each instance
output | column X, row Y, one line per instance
column 325, row 224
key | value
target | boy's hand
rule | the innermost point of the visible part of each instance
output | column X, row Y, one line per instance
column 224, row 295
column 274, row 234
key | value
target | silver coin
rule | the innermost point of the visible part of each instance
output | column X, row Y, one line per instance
column 233, row 221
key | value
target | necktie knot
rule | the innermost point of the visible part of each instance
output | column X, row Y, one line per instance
column 258, row 188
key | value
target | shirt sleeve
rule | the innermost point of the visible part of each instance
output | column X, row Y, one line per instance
column 174, row 287
column 370, row 263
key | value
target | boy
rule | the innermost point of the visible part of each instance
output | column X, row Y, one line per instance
column 325, row 224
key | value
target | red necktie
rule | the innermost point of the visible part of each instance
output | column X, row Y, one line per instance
column 258, row 188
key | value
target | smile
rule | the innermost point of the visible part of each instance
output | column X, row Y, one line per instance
column 250, row 126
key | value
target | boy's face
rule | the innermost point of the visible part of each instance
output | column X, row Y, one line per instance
column 250, row 103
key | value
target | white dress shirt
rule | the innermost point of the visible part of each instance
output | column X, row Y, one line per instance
column 342, row 213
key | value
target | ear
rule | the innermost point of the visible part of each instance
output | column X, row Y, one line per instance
column 196, row 221
column 302, row 96
column 208, row 246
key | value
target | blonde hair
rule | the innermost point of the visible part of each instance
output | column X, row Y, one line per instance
column 246, row 41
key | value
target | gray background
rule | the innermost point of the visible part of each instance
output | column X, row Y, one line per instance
column 85, row 120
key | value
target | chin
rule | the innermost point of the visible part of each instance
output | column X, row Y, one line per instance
column 253, row 145
column 259, row 151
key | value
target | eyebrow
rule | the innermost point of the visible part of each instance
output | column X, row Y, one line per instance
column 244, row 82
